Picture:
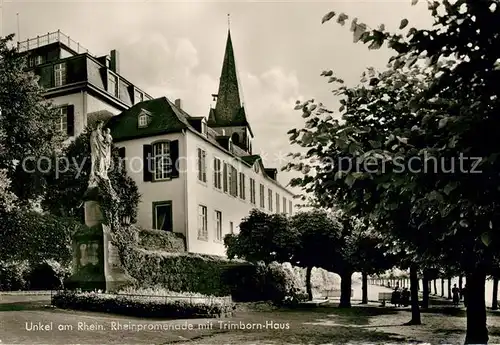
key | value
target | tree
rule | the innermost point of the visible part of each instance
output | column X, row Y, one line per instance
column 66, row 185
column 263, row 237
column 438, row 111
column 30, row 122
column 318, row 238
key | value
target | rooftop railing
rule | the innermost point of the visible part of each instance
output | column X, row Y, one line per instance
column 49, row 38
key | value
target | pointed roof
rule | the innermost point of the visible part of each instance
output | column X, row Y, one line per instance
column 228, row 109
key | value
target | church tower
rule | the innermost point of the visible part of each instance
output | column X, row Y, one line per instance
column 229, row 117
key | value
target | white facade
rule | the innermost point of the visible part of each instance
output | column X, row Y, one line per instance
column 187, row 193
column 83, row 103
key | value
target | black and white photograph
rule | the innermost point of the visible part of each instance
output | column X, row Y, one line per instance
column 249, row 172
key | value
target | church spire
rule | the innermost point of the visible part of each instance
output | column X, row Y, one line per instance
column 228, row 106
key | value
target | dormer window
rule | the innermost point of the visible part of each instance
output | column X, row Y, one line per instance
column 144, row 118
column 230, row 145
column 256, row 167
column 203, row 127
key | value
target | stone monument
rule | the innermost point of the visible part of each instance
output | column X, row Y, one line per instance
column 96, row 262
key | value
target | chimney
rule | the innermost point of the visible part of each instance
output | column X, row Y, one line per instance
column 114, row 64
column 178, row 103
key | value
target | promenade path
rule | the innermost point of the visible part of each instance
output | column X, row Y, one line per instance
column 321, row 325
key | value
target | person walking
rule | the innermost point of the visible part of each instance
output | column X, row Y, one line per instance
column 456, row 296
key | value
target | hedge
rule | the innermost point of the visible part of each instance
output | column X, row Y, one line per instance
column 162, row 240
column 182, row 272
column 212, row 275
column 142, row 306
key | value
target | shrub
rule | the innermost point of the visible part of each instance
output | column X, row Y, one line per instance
column 143, row 306
column 48, row 275
column 13, row 275
column 258, row 282
column 182, row 272
column 162, row 240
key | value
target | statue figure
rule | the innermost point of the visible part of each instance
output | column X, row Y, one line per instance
column 100, row 151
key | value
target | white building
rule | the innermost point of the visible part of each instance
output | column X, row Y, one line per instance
column 196, row 176
column 80, row 84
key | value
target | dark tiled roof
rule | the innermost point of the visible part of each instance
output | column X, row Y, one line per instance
column 251, row 159
column 165, row 118
column 228, row 97
column 271, row 172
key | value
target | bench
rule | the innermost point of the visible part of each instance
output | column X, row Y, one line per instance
column 333, row 293
column 384, row 297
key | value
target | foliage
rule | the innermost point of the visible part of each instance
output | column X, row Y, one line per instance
column 263, row 237
column 14, row 275
column 22, row 275
column 30, row 123
column 43, row 237
column 142, row 306
column 68, row 186
column 7, row 198
column 260, row 282
column 162, row 240
column 439, row 101
column 187, row 272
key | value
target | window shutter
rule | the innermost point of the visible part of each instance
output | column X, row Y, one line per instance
column 225, row 172
column 215, row 172
column 147, row 163
column 70, row 128
column 174, row 156
column 121, row 152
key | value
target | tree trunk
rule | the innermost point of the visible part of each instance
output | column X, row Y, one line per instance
column 449, row 288
column 415, row 309
column 425, row 292
column 308, row 283
column 345, row 290
column 435, row 287
column 442, row 287
column 460, row 286
column 477, row 332
column 494, row 302
column 364, row 288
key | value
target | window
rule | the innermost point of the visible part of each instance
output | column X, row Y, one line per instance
column 252, row 191
column 203, row 128
column 242, row 186
column 202, row 223
column 60, row 74
column 202, row 165
column 262, row 197
column 290, row 206
column 31, row 61
column 143, row 120
column 218, row 226
column 277, row 203
column 270, row 199
column 39, row 60
column 231, row 228
column 139, row 96
column 162, row 215
column 217, row 173
column 62, row 124
column 225, row 174
column 234, row 181
column 162, row 161
column 113, row 84
column 284, row 205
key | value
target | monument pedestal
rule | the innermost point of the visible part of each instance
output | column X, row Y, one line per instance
column 96, row 261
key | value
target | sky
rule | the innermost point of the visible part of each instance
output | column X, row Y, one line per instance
column 175, row 49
